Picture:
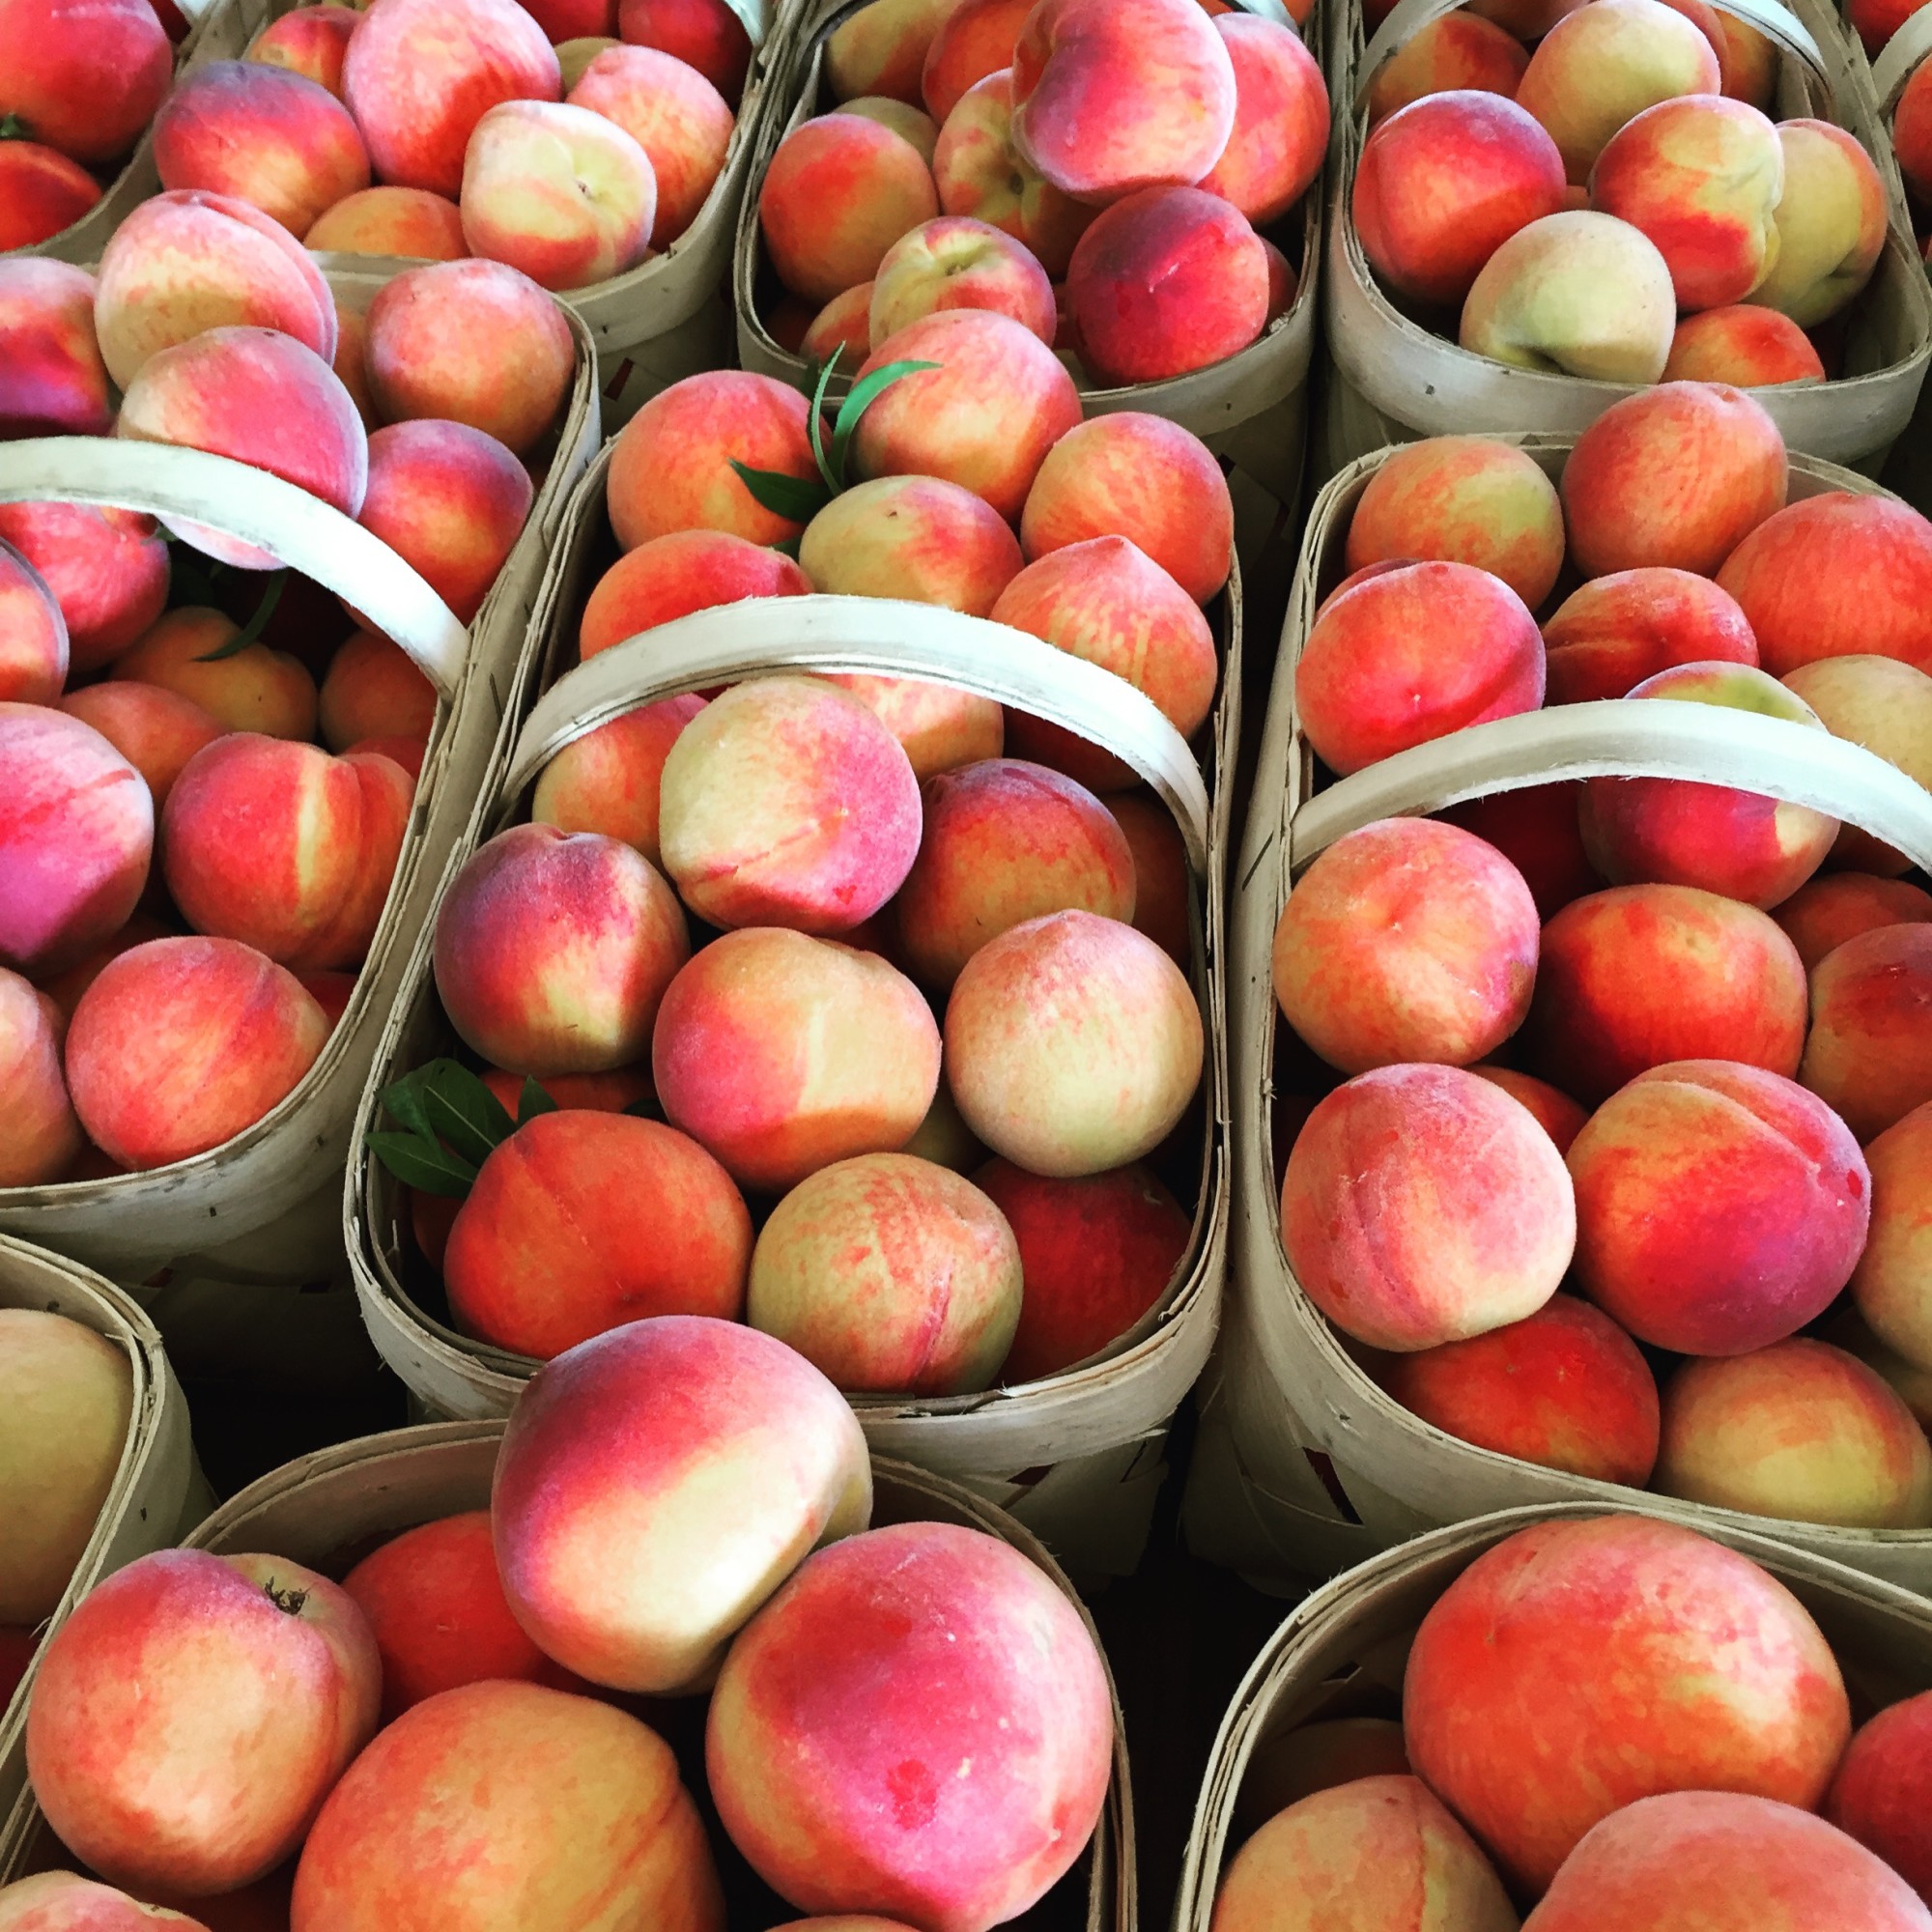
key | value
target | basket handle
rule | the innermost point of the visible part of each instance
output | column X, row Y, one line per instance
column 1619, row 737
column 1900, row 58
column 877, row 636
column 164, row 480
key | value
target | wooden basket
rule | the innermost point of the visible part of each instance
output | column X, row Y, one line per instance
column 329, row 1509
column 1250, row 409
column 264, row 1205
column 1076, row 1456
column 1382, row 1473
column 1393, row 380
column 1340, row 1654
column 151, row 1488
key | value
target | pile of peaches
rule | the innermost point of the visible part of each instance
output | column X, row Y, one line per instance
column 1098, row 173
column 188, row 880
column 1620, row 1726
column 834, row 940
column 572, row 163
column 671, row 1657
column 1616, row 204
column 1636, row 1073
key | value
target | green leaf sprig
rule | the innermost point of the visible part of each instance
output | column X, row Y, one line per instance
column 452, row 1124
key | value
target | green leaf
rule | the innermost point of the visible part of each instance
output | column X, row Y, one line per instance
column 532, row 1101
column 645, row 1108
column 815, row 422
column 257, row 622
column 403, row 1100
column 797, row 498
column 861, row 396
column 13, row 128
column 464, row 1112
column 424, row 1165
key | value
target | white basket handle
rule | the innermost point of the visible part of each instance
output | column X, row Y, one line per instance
column 874, row 637
column 1621, row 737
column 163, row 480
column 1900, row 57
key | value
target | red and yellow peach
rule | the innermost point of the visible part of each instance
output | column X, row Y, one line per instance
column 53, row 381
column 839, row 190
column 609, row 780
column 1280, row 118
column 107, row 569
column 1747, row 347
column 410, row 222
column 672, row 112
column 1617, row 631
column 916, row 538
column 255, row 689
column 1869, row 1051
column 85, row 83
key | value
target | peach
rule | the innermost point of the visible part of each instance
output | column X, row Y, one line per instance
column 1163, row 885
column 1442, row 184
column 1406, row 940
column 1887, row 708
column 257, row 397
column 1743, row 844
column 1539, row 301
column 1870, row 1054
column 1638, row 975
column 1825, row 912
column 1676, row 478
column 635, row 1571
column 33, row 633
column 1619, row 631
column 567, row 21
column 563, row 193
column 1412, row 655
column 881, row 48
column 407, row 221
column 616, row 1093
column 939, row 726
column 1875, row 21
column 41, row 193
column 1109, row 98
column 703, row 34
column 1463, row 500
column 984, row 417
column 1381, row 1843
column 786, row 802
column 69, row 1403
column 843, row 327
column 609, row 780
column 1701, row 176
column 451, row 500
column 914, row 124
column 671, row 468
column 584, row 1220
column 83, row 80
column 38, row 1135
column 310, row 42
column 1600, row 66
column 107, row 569
column 350, row 363
column 1073, row 1044
column 1836, row 576
column 1581, row 1666
column 1395, row 1236
column 1458, row 52
column 65, row 987
column 1141, row 477
column 419, row 74
column 1535, row 829
column 1096, row 1253
column 474, row 342
column 190, row 1715
column 782, row 1054
column 1280, row 118
column 1798, row 1431
column 915, row 538
column 580, row 1820
column 373, row 691
column 520, row 998
column 889, row 1274
column 978, row 172
column 187, row 261
column 1748, row 347
column 1104, row 601
column 52, row 379
column 1719, row 1207
column 1736, row 1862
column 1556, row 1113
column 76, row 832
column 1167, row 280
column 252, row 689
column 262, row 134
column 156, row 730
column 1006, row 841
column 974, row 40
column 679, row 119
column 1889, row 1284
column 944, row 1138
column 1879, row 1796
column 62, row 1902
column 436, row 1611
column 918, row 1723
column 670, row 576
column 1830, row 223
column 955, row 262
column 839, row 190
column 1912, row 133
